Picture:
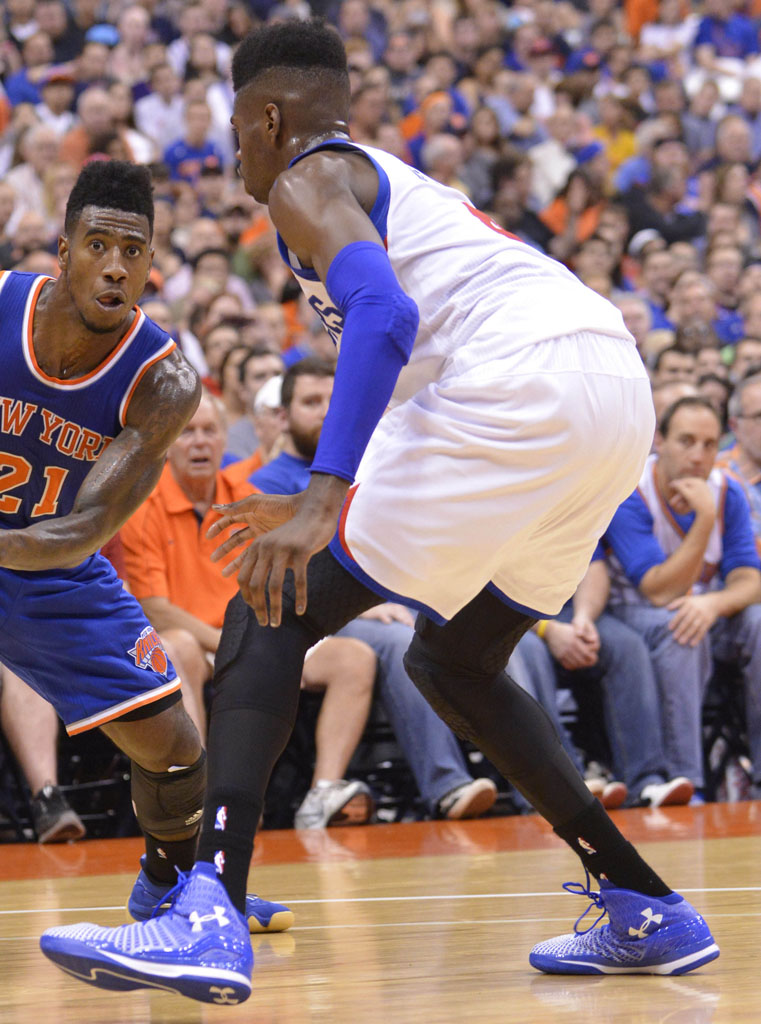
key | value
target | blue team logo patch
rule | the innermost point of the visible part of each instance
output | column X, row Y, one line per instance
column 149, row 653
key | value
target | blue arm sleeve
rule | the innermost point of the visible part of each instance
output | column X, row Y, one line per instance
column 631, row 537
column 738, row 541
column 380, row 325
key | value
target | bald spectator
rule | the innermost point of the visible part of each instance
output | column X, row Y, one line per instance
column 166, row 550
column 96, row 122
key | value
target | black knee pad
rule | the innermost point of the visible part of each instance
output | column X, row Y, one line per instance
column 438, row 687
column 167, row 804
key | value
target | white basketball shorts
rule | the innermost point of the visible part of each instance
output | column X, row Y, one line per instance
column 507, row 474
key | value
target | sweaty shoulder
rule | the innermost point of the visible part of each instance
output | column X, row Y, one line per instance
column 165, row 399
column 323, row 202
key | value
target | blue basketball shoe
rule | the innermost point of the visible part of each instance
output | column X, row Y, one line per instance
column 199, row 948
column 148, row 899
column 645, row 935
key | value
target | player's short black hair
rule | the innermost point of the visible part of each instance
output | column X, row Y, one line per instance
column 310, row 45
column 113, row 184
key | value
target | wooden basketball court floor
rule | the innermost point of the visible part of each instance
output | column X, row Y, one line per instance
column 398, row 924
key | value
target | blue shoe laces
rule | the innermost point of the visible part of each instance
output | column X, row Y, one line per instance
column 585, row 889
column 171, row 896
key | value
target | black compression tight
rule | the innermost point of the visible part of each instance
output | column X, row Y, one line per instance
column 457, row 667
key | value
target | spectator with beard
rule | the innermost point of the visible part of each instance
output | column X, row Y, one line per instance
column 305, row 395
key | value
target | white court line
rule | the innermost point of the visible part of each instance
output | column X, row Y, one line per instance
column 477, row 922
column 389, row 899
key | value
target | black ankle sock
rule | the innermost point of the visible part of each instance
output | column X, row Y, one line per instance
column 605, row 852
column 162, row 858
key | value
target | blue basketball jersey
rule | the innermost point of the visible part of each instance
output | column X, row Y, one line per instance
column 51, row 430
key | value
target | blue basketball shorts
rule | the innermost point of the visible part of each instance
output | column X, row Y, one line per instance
column 82, row 642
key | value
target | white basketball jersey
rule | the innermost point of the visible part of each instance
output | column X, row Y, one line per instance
column 482, row 294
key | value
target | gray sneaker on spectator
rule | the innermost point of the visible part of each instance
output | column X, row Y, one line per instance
column 53, row 818
column 470, row 800
column 343, row 802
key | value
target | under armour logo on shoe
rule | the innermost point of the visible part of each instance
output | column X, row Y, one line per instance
column 200, row 919
column 650, row 918
column 223, row 995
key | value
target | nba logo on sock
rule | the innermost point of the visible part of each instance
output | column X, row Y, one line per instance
column 219, row 861
column 221, row 819
column 586, row 847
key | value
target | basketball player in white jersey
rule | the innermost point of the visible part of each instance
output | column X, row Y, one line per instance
column 520, row 417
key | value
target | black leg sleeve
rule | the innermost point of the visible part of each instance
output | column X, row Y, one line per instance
column 255, row 699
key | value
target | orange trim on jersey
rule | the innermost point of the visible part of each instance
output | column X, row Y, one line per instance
column 92, row 373
column 111, row 714
column 141, row 374
column 342, row 521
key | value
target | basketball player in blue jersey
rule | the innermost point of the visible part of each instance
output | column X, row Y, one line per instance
column 92, row 394
column 519, row 418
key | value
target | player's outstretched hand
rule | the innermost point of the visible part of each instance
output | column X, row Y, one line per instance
column 281, row 532
column 257, row 514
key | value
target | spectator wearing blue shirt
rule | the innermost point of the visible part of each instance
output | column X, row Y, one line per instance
column 23, row 86
column 686, row 576
column 723, row 33
column 186, row 156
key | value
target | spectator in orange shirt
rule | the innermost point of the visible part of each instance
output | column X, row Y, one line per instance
column 167, row 554
column 184, row 594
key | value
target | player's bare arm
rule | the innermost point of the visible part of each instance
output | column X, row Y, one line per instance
column 319, row 207
column 121, row 479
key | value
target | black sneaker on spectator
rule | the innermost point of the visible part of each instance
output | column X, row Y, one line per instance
column 674, row 793
column 470, row 800
column 53, row 818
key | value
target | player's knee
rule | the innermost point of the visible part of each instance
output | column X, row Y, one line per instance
column 181, row 646
column 168, row 805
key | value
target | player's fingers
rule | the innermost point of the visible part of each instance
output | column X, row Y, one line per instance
column 221, row 524
column 233, row 541
column 275, row 587
column 256, row 585
column 300, row 581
